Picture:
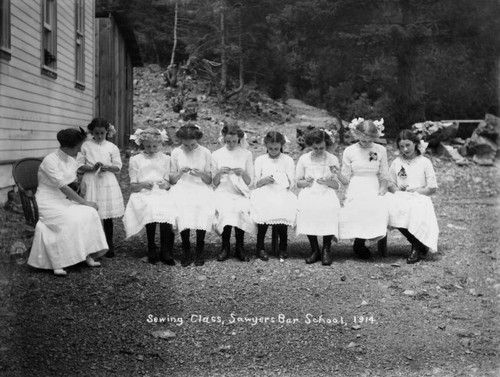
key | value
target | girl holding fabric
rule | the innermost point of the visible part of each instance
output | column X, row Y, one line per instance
column 365, row 214
column 232, row 171
column 412, row 182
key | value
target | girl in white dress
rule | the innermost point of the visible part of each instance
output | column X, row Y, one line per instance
column 272, row 201
column 232, row 171
column 192, row 191
column 69, row 230
column 364, row 164
column 318, row 205
column 150, row 202
column 412, row 181
column 100, row 160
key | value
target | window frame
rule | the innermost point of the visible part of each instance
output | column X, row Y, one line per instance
column 5, row 33
column 49, row 38
column 80, row 44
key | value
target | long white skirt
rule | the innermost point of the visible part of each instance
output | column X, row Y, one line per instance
column 414, row 212
column 103, row 189
column 194, row 204
column 147, row 206
column 365, row 213
column 233, row 210
column 66, row 234
column 271, row 204
column 318, row 212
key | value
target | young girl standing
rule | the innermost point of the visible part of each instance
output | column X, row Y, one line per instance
column 232, row 171
column 192, row 192
column 100, row 160
column 150, row 202
column 412, row 181
column 318, row 205
column 272, row 201
column 364, row 165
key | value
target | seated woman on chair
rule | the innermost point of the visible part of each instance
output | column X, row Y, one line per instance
column 69, row 230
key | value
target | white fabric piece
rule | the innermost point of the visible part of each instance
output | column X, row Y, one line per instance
column 274, row 203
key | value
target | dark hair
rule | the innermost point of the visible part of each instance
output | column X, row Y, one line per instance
column 274, row 137
column 98, row 122
column 232, row 128
column 409, row 135
column 318, row 136
column 189, row 131
column 70, row 137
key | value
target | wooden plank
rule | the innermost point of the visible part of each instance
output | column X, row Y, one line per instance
column 17, row 134
column 16, row 88
column 25, row 120
column 6, row 176
column 7, row 155
column 22, row 145
column 51, row 106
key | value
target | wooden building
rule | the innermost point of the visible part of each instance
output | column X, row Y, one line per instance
column 117, row 53
column 50, row 78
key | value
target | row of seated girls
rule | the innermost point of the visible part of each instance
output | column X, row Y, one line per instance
column 194, row 189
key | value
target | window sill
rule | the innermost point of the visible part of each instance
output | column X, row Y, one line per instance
column 79, row 86
column 46, row 71
column 5, row 54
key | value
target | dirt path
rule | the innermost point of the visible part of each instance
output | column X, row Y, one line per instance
column 381, row 317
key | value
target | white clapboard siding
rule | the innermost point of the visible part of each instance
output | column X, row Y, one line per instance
column 34, row 107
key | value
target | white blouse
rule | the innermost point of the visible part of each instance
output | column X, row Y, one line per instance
column 144, row 167
column 57, row 170
column 357, row 161
column 199, row 158
column 105, row 152
column 307, row 166
column 415, row 173
column 282, row 166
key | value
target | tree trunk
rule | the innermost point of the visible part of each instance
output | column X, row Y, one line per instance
column 409, row 101
column 172, row 68
column 172, row 57
column 223, row 59
column 240, row 87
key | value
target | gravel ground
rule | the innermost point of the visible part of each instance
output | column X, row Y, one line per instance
column 381, row 317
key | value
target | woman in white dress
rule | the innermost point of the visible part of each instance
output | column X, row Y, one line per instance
column 318, row 206
column 272, row 201
column 100, row 160
column 191, row 191
column 364, row 164
column 69, row 230
column 232, row 171
column 412, row 182
column 150, row 202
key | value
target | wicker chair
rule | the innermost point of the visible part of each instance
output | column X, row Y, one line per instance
column 25, row 173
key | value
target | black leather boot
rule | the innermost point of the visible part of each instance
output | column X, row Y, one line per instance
column 186, row 248
column 261, row 234
column 326, row 258
column 360, row 249
column 382, row 246
column 414, row 255
column 226, row 236
column 315, row 253
column 282, row 231
column 152, row 251
column 199, row 259
column 240, row 250
column 167, row 244
column 108, row 231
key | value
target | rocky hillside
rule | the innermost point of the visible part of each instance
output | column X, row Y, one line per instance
column 158, row 105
